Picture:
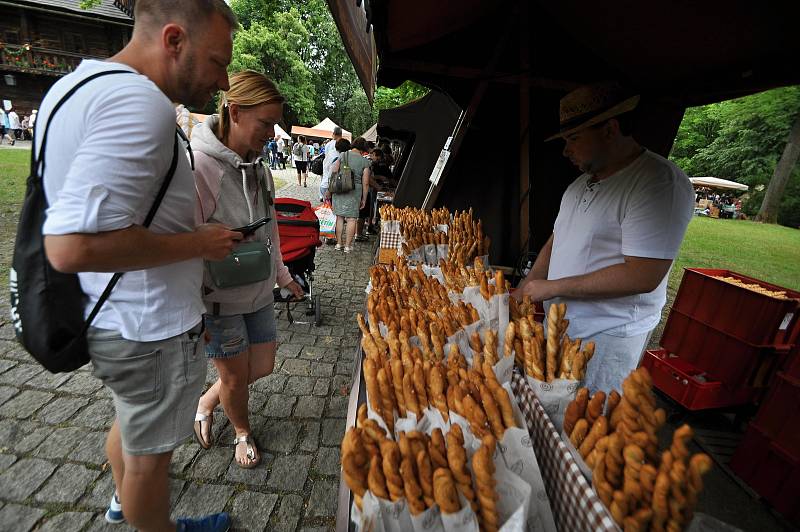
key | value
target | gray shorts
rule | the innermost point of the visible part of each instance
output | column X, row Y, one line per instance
column 155, row 386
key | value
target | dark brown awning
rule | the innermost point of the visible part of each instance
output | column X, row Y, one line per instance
column 356, row 31
column 695, row 52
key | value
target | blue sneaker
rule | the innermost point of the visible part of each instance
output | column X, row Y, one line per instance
column 114, row 512
column 211, row 523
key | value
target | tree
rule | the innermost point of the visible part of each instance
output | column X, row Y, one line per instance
column 772, row 199
column 742, row 140
column 274, row 52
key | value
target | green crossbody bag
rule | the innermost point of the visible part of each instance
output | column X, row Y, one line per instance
column 249, row 262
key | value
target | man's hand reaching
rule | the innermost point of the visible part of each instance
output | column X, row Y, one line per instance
column 216, row 241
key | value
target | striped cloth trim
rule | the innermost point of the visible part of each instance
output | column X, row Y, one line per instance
column 575, row 505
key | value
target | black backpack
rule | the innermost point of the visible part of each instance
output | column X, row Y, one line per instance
column 316, row 164
column 47, row 306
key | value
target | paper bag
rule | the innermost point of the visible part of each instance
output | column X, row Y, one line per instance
column 430, row 254
column 555, row 396
column 428, row 521
column 463, row 520
column 442, row 252
column 516, row 453
column 384, row 515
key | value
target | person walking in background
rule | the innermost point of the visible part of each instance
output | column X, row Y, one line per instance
column 146, row 342
column 281, row 146
column 327, row 163
column 235, row 189
column 300, row 157
column 4, row 127
column 365, row 212
column 7, row 133
column 15, row 124
column 346, row 206
column 273, row 154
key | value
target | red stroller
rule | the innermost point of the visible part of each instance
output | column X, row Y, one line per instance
column 298, row 228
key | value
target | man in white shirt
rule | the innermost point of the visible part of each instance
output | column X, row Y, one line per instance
column 281, row 145
column 619, row 227
column 13, row 120
column 327, row 163
column 104, row 168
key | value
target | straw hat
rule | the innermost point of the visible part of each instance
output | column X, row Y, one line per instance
column 592, row 104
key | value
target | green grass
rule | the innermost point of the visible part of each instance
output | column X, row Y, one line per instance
column 14, row 166
column 767, row 252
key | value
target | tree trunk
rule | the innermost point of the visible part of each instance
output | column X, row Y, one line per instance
column 772, row 199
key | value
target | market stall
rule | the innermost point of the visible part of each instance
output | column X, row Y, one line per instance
column 504, row 67
column 445, row 350
column 715, row 197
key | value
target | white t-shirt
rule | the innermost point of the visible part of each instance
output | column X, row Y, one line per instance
column 327, row 163
column 108, row 150
column 13, row 119
column 640, row 211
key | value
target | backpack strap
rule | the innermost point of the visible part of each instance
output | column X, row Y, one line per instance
column 148, row 219
column 56, row 107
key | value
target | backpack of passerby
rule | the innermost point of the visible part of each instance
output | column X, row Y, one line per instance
column 297, row 149
column 344, row 180
column 316, row 164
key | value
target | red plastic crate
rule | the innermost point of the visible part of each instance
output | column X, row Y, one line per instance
column 689, row 385
column 772, row 472
column 792, row 365
column 752, row 317
column 725, row 358
column 779, row 415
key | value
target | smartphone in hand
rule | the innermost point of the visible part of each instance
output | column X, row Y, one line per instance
column 249, row 229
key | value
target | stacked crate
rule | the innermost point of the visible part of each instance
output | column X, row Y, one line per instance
column 723, row 343
column 768, row 458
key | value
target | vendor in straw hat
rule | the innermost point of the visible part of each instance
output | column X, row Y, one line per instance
column 618, row 229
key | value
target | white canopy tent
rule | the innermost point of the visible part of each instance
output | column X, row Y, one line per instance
column 371, row 134
column 279, row 132
column 716, row 182
column 328, row 125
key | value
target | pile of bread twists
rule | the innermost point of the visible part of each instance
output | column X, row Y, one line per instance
column 424, row 470
column 400, row 379
column 458, row 277
column 755, row 287
column 617, row 437
column 547, row 355
column 411, row 304
column 464, row 234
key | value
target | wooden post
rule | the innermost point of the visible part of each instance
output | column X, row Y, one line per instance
column 524, row 130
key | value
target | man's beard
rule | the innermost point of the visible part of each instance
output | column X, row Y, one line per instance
column 189, row 92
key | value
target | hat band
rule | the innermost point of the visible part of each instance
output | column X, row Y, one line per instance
column 578, row 120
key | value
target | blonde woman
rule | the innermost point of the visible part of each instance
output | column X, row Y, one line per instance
column 240, row 322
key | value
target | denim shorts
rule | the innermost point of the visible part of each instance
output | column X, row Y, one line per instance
column 155, row 386
column 231, row 335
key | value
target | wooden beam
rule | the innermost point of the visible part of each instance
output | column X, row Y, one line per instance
column 524, row 133
column 464, row 72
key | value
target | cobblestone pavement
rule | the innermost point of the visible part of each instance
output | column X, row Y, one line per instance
column 52, row 427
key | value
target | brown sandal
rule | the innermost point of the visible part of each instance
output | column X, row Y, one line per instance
column 199, row 419
column 252, row 451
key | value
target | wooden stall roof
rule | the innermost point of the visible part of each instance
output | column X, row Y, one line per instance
column 352, row 19
column 696, row 52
